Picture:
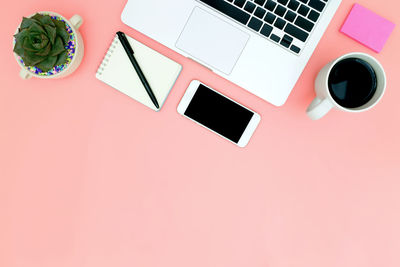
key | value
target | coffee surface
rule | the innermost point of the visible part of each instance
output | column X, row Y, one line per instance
column 352, row 82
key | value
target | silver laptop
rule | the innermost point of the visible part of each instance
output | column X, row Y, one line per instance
column 260, row 45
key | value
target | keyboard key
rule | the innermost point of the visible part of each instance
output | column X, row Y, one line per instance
column 266, row 30
column 293, row 5
column 296, row 32
column 260, row 12
column 229, row 10
column 290, row 16
column 260, row 2
column 280, row 10
column 283, row 2
column 249, row 7
column 304, row 1
column 317, row 5
column 313, row 15
column 295, row 49
column 304, row 23
column 275, row 38
column 240, row 3
column 255, row 24
column 270, row 18
column 286, row 41
column 303, row 10
column 280, row 23
column 270, row 5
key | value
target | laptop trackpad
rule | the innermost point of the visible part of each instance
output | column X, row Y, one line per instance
column 212, row 41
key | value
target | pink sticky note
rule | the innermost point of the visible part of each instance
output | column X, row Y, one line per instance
column 367, row 27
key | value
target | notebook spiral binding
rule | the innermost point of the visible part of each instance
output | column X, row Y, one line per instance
column 110, row 51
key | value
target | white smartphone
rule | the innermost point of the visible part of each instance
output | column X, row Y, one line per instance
column 219, row 113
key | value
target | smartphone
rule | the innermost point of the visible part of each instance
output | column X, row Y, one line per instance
column 219, row 113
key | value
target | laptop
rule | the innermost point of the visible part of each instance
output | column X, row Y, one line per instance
column 260, row 45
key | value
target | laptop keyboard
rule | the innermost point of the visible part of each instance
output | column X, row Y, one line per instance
column 285, row 22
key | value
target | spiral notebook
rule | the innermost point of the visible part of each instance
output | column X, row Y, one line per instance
column 117, row 71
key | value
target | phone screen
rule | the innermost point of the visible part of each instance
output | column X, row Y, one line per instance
column 218, row 113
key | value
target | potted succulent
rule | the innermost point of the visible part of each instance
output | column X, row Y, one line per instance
column 47, row 45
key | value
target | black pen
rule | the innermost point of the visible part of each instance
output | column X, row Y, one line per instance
column 130, row 53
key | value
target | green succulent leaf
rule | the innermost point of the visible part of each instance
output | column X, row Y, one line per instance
column 26, row 23
column 59, row 24
column 18, row 49
column 45, row 52
column 58, row 47
column 37, row 17
column 20, row 36
column 47, row 64
column 62, row 58
column 51, row 32
column 62, row 31
column 35, row 27
column 28, row 45
column 46, row 20
column 30, row 59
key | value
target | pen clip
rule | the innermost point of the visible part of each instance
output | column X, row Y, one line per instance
column 125, row 42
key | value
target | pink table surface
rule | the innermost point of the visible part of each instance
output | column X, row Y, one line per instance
column 90, row 178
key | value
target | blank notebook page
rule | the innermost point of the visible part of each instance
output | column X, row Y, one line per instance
column 117, row 71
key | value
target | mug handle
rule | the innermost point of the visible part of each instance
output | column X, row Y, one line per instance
column 24, row 74
column 319, row 108
column 76, row 21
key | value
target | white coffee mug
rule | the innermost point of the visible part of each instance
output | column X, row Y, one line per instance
column 324, row 101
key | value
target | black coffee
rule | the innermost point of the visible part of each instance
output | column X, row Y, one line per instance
column 352, row 82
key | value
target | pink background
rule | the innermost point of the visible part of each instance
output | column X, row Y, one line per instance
column 90, row 178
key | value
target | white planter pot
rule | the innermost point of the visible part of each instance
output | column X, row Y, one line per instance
column 74, row 23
